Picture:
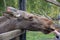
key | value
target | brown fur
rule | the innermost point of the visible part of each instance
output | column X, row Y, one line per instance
column 33, row 22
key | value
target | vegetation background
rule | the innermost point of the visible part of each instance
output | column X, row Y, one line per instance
column 40, row 7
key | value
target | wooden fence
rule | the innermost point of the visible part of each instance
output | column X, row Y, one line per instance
column 11, row 35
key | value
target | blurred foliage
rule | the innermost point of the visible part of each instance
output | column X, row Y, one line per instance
column 1, row 5
column 13, row 3
column 39, row 36
column 42, row 7
column 5, row 3
column 58, row 0
column 34, row 6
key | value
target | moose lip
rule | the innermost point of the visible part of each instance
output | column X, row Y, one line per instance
column 46, row 31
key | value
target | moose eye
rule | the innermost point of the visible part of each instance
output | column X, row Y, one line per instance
column 30, row 18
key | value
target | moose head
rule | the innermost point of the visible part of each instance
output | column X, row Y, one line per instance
column 30, row 22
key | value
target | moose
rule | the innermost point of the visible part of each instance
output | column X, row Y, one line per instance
column 16, row 19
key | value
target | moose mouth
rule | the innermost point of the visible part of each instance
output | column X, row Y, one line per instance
column 47, row 31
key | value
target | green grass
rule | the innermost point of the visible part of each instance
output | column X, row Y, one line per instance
column 39, row 36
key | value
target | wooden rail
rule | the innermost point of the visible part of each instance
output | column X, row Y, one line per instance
column 10, row 35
